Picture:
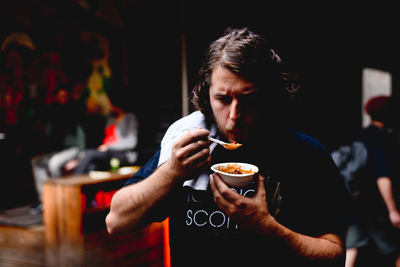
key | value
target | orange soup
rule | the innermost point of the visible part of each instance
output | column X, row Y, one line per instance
column 234, row 169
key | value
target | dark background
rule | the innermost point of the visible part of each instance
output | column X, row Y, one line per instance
column 326, row 44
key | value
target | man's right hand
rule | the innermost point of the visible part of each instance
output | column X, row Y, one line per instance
column 190, row 154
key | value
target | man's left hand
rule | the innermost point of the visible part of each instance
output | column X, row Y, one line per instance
column 248, row 212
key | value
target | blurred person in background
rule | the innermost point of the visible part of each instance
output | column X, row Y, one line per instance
column 294, row 213
column 376, row 197
column 66, row 137
column 119, row 142
column 69, row 152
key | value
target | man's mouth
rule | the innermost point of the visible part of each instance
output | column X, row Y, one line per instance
column 237, row 134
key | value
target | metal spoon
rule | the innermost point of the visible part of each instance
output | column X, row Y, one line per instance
column 229, row 146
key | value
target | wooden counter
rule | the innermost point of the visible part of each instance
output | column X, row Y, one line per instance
column 75, row 226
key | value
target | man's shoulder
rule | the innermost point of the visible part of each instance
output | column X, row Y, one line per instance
column 192, row 121
column 303, row 139
column 194, row 118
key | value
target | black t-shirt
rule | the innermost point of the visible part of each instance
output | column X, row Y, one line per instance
column 312, row 200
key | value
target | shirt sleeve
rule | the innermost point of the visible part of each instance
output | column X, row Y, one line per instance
column 146, row 170
column 314, row 194
column 332, row 208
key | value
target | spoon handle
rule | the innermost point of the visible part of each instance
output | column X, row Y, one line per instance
column 217, row 141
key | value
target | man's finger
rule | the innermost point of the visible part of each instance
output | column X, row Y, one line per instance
column 224, row 190
column 192, row 136
column 260, row 187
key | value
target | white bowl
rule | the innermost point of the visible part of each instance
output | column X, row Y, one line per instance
column 235, row 180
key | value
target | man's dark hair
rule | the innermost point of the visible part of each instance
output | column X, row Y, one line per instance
column 248, row 55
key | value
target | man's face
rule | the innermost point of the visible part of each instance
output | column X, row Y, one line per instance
column 234, row 104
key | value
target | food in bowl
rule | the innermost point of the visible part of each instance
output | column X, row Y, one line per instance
column 233, row 168
column 236, row 174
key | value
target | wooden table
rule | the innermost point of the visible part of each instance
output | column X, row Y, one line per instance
column 70, row 223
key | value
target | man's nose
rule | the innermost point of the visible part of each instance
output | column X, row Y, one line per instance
column 234, row 112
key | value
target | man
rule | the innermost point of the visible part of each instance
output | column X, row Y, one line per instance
column 293, row 214
column 375, row 193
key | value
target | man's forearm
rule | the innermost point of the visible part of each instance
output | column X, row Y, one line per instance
column 131, row 205
column 386, row 191
column 326, row 250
